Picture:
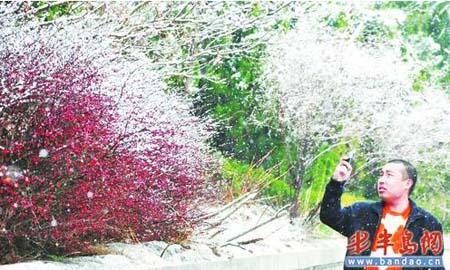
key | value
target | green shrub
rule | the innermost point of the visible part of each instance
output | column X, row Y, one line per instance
column 244, row 177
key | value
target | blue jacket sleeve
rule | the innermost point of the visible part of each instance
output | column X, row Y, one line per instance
column 436, row 226
column 331, row 212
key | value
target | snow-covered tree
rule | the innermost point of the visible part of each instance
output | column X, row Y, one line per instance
column 334, row 90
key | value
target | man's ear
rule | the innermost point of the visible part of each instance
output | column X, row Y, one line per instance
column 409, row 183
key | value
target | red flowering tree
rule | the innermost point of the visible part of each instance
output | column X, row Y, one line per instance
column 74, row 171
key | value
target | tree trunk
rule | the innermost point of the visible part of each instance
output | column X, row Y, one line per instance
column 298, row 183
column 295, row 200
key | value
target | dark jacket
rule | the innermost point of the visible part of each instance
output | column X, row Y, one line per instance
column 365, row 216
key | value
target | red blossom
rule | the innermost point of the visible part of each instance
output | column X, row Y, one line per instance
column 82, row 181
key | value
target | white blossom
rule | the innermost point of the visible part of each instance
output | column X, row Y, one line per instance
column 54, row 223
column 43, row 153
column 334, row 89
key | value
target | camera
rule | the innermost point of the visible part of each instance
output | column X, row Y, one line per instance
column 351, row 158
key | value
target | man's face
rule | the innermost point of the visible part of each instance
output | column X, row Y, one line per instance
column 393, row 182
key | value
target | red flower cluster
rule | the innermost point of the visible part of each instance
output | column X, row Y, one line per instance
column 68, row 178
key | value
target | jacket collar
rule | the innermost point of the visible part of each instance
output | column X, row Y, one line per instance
column 377, row 208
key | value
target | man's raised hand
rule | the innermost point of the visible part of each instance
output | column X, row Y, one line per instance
column 343, row 170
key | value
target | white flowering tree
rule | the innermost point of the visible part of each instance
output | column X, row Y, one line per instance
column 334, row 90
column 172, row 35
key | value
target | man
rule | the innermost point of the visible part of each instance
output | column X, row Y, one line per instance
column 393, row 227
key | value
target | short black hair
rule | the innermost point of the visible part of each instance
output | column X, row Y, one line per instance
column 410, row 171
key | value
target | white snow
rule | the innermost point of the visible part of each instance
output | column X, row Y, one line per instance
column 205, row 244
